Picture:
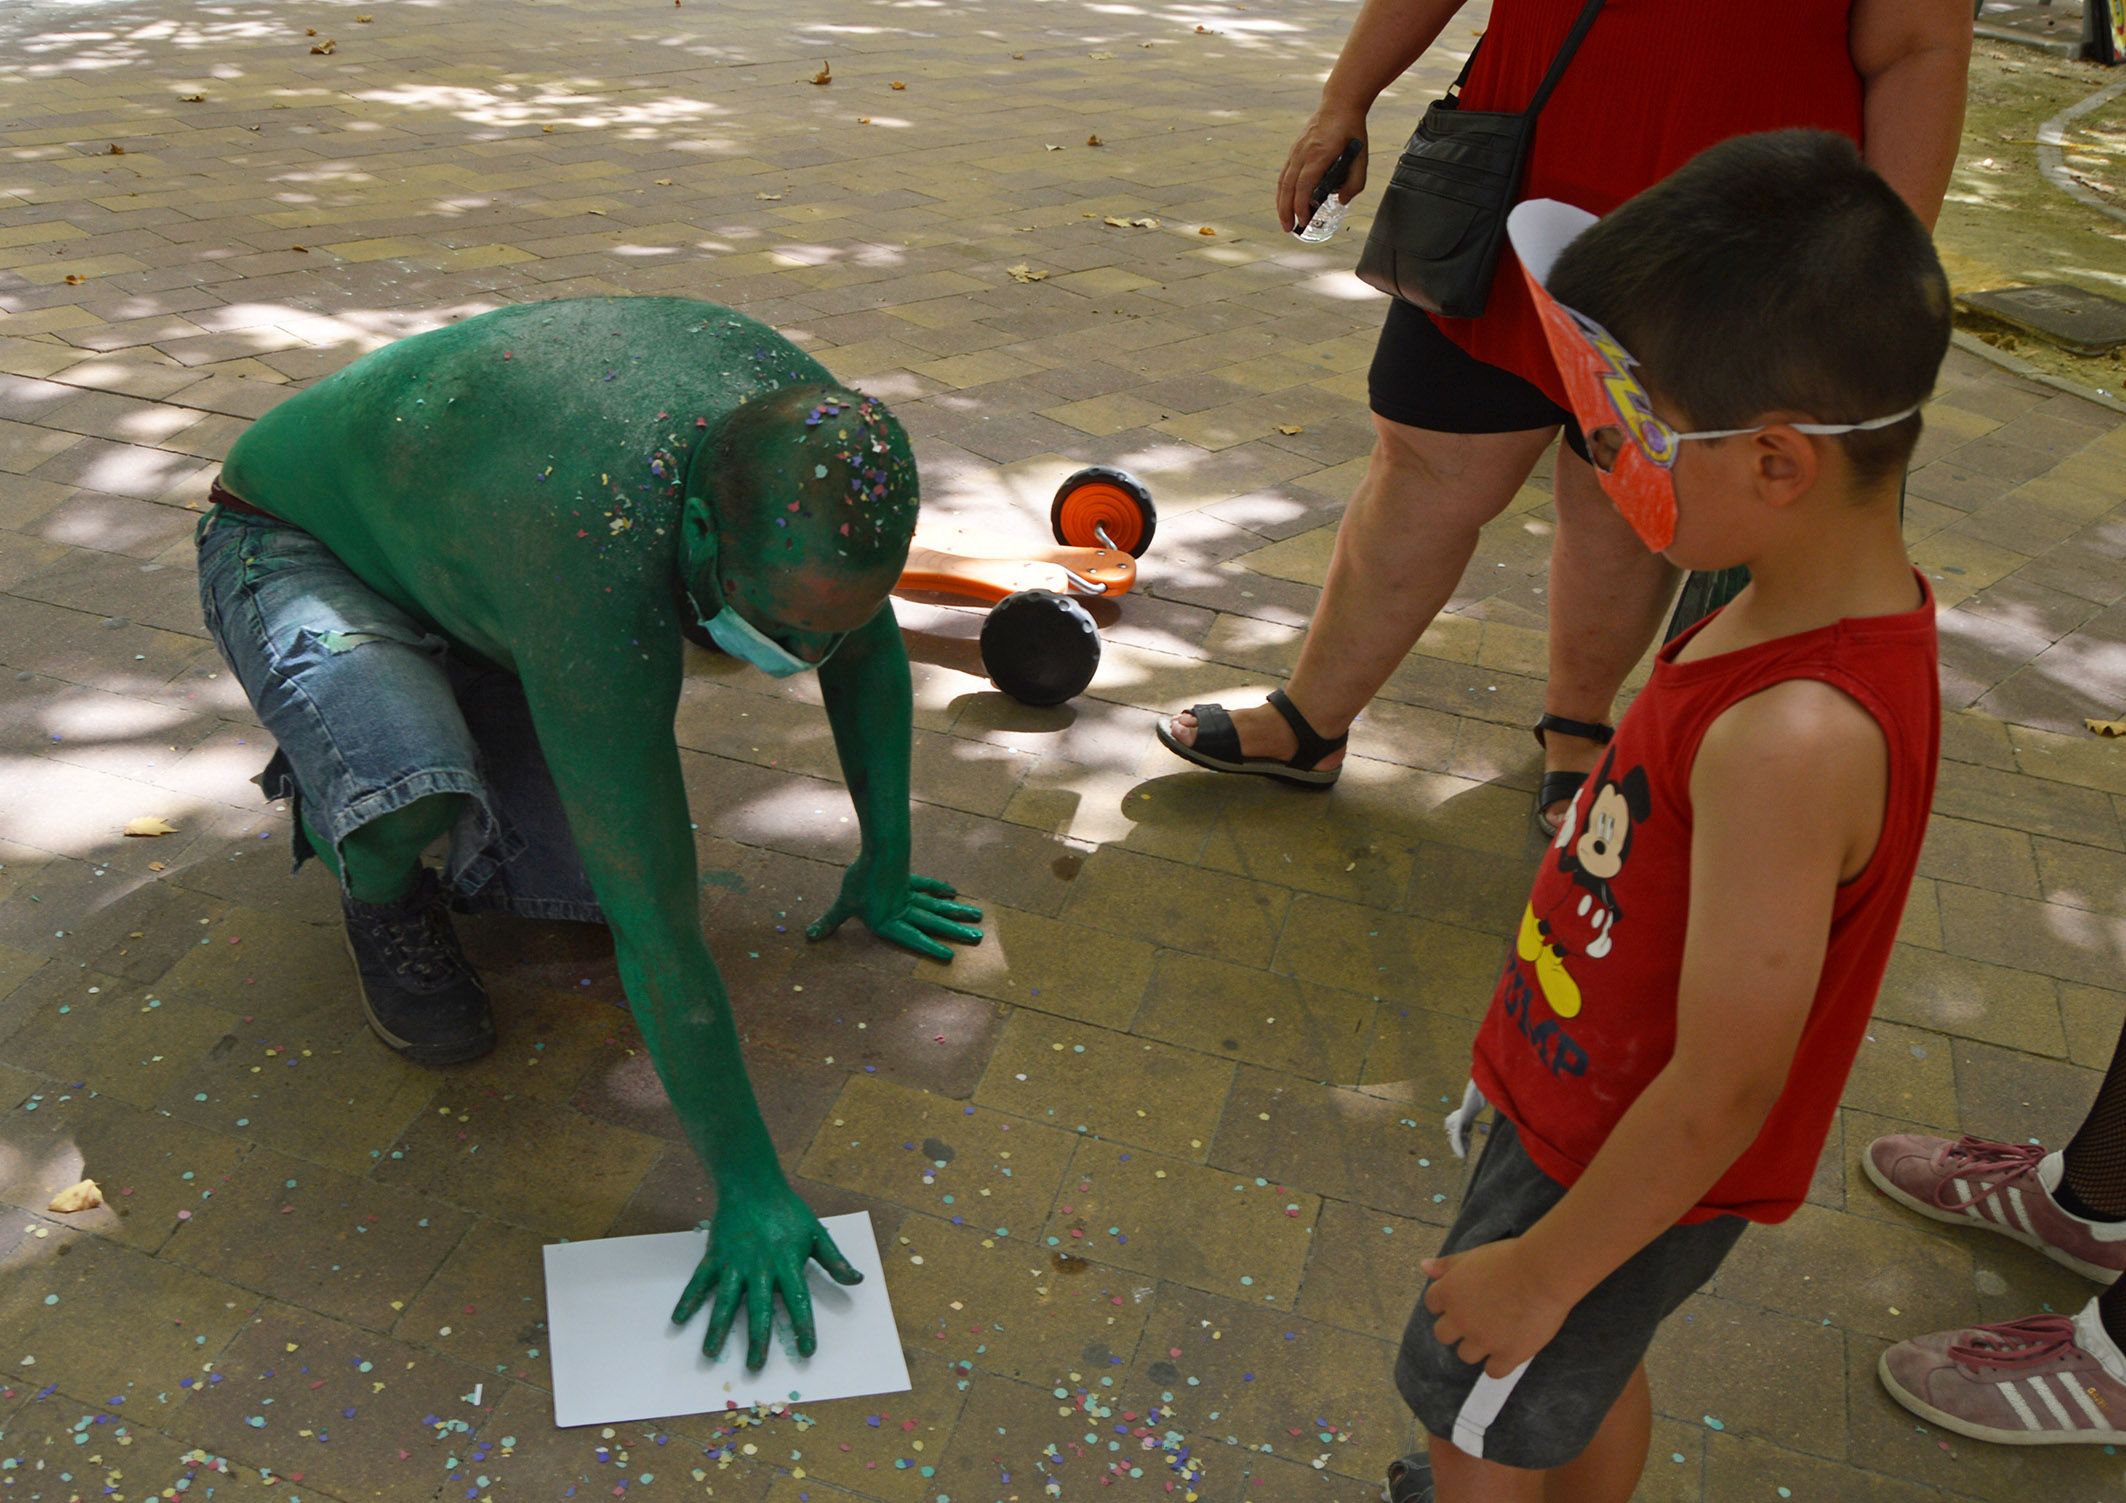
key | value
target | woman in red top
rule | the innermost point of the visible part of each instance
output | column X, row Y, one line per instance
column 1463, row 408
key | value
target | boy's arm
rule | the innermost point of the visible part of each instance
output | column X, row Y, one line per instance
column 1787, row 793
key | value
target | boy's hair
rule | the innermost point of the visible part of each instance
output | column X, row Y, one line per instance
column 1773, row 272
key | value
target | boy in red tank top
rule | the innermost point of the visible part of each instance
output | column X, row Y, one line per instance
column 1747, row 345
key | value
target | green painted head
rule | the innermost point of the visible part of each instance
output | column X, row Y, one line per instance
column 799, row 508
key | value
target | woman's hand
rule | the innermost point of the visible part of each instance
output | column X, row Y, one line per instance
column 1328, row 130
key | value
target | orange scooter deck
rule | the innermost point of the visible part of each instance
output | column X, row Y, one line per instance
column 1080, row 572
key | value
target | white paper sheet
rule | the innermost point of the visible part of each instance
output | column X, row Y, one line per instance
column 617, row 1356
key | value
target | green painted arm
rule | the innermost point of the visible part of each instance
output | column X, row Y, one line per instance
column 619, row 778
column 871, row 706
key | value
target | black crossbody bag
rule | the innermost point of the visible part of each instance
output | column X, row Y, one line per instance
column 1436, row 235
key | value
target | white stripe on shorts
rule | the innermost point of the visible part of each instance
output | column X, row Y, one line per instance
column 1483, row 1405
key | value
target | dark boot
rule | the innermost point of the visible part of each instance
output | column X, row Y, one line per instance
column 420, row 994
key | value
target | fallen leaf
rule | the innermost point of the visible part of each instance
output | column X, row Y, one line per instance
column 150, row 824
column 74, row 279
column 115, row 150
column 1145, row 224
column 599, row 212
column 82, row 1197
column 825, row 75
column 1206, row 230
column 770, row 197
column 547, row 129
column 2107, row 727
column 1101, row 57
column 863, row 119
column 1052, row 148
column 1120, row 224
column 191, row 99
column 325, row 48
column 303, row 248
column 309, row 31
column 1205, row 31
column 1024, row 273
column 1018, row 57
column 158, row 866
column 664, row 182
column 1288, row 429
column 1094, row 141
column 363, row 20
column 897, row 84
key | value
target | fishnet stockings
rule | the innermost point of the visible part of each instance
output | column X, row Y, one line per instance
column 2095, row 1172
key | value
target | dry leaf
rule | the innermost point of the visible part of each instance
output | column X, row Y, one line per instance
column 770, row 197
column 897, row 84
column 303, row 248
column 363, row 20
column 547, row 129
column 309, row 31
column 191, row 99
column 825, row 75
column 115, row 150
column 75, row 279
column 158, row 866
column 1024, row 273
column 1120, row 224
column 599, row 212
column 863, row 119
column 1094, row 141
column 2107, row 727
column 1204, row 31
column 1145, row 224
column 1206, row 230
column 148, row 825
column 1018, row 57
column 82, row 1197
column 325, row 48
column 1101, row 57
column 664, row 182
column 1288, row 429
column 1052, row 148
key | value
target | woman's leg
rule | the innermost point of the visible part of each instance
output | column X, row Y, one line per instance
column 1608, row 592
column 1406, row 537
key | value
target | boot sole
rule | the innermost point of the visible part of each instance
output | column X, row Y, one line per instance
column 420, row 1054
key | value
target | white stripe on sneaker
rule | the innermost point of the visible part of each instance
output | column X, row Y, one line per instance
column 2044, row 1391
column 1963, row 1190
column 2081, row 1397
column 2020, row 1405
column 2022, row 1215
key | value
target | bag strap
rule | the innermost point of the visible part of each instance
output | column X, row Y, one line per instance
column 1557, row 64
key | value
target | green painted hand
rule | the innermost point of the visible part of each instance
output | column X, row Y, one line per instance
column 759, row 1245
column 906, row 910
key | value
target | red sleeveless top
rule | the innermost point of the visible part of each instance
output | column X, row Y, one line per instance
column 1654, row 83
column 1585, row 1014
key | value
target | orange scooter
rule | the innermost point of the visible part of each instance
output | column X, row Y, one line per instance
column 1038, row 644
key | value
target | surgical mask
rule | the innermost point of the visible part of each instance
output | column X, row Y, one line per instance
column 1633, row 450
column 746, row 642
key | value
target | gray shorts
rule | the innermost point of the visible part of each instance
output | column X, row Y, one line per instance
column 1545, row 1414
column 372, row 711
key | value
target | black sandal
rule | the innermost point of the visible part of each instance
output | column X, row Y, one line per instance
column 1218, row 746
column 1560, row 787
column 1409, row 1479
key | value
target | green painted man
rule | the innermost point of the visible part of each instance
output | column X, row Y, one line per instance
column 452, row 579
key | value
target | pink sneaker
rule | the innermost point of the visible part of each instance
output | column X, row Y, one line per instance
column 2003, row 1187
column 2051, row 1380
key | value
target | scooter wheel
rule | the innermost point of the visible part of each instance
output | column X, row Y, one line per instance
column 1101, row 499
column 1039, row 647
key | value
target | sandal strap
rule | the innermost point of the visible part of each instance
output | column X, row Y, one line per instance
column 1215, row 732
column 1313, row 746
column 1586, row 730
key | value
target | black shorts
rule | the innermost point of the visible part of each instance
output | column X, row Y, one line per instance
column 1422, row 379
column 1544, row 1415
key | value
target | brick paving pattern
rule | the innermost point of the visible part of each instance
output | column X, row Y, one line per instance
column 1158, row 1159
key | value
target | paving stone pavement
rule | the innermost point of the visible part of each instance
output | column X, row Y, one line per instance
column 1159, row 1158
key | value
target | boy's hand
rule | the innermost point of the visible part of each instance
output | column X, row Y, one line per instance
column 1491, row 1308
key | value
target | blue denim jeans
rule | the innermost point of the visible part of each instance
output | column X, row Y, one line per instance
column 371, row 711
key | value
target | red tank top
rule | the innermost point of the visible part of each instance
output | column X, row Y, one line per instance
column 1585, row 1014
column 1654, row 83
